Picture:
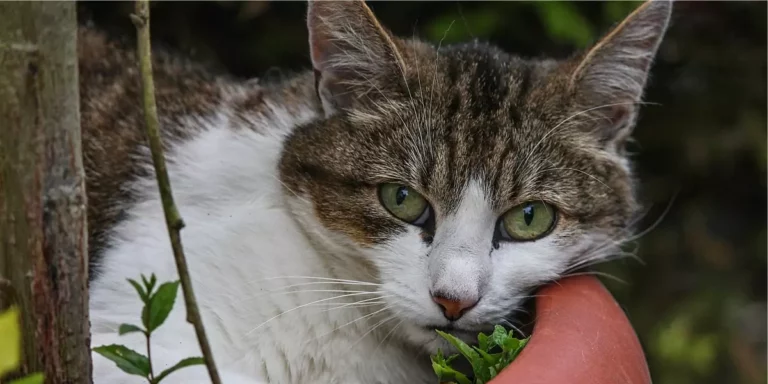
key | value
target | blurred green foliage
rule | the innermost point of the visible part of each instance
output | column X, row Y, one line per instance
column 698, row 302
column 565, row 24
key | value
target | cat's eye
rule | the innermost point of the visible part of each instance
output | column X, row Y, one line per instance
column 404, row 203
column 527, row 221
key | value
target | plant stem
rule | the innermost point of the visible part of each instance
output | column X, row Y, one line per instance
column 149, row 358
column 172, row 218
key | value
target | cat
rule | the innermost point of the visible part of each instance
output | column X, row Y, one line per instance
column 335, row 219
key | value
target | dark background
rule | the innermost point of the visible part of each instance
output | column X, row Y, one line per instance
column 698, row 301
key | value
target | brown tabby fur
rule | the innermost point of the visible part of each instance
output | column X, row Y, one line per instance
column 433, row 118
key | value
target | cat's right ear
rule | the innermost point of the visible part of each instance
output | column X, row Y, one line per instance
column 355, row 59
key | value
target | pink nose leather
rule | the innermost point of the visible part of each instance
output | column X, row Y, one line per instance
column 453, row 309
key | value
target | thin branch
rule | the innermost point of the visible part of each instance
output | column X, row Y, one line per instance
column 172, row 218
column 149, row 356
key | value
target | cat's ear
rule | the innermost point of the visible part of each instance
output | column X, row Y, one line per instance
column 354, row 57
column 610, row 77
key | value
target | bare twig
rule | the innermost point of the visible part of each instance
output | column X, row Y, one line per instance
column 172, row 218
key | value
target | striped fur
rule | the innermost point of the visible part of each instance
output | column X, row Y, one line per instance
column 278, row 185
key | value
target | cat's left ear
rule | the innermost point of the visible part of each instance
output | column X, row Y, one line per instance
column 355, row 59
column 609, row 78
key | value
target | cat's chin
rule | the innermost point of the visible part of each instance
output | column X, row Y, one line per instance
column 426, row 337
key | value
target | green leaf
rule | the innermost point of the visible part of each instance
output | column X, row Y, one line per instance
column 510, row 344
column 149, row 284
column 473, row 357
column 499, row 335
column 161, row 304
column 126, row 359
column 438, row 356
column 490, row 358
column 485, row 365
column 482, row 342
column 10, row 348
column 140, row 290
column 460, row 378
column 519, row 349
column 181, row 364
column 128, row 328
column 463, row 348
column 492, row 371
column 445, row 373
column 35, row 378
column 451, row 358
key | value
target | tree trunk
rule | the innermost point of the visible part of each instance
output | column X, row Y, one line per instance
column 43, row 255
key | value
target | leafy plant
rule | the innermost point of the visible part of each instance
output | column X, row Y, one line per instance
column 488, row 358
column 157, row 306
column 10, row 348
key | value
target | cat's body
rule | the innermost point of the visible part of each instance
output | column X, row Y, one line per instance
column 239, row 237
column 302, row 275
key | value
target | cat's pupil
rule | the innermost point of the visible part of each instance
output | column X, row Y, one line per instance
column 402, row 193
column 528, row 214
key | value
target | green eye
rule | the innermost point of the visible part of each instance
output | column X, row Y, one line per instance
column 404, row 203
column 528, row 221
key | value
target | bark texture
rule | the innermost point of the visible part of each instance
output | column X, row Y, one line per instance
column 43, row 256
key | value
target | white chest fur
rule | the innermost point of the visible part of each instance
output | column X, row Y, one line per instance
column 241, row 245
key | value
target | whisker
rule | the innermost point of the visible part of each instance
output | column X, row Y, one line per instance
column 316, row 278
column 580, row 171
column 599, row 258
column 363, row 302
column 296, row 195
column 351, row 322
column 434, row 73
column 302, row 306
column 375, row 327
column 357, row 305
column 387, row 335
column 657, row 222
column 509, row 323
column 602, row 252
column 596, row 273
column 324, row 283
column 315, row 291
column 569, row 118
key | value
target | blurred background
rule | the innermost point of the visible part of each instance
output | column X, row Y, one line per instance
column 698, row 300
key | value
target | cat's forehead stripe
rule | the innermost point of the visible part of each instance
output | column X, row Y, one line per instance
column 483, row 100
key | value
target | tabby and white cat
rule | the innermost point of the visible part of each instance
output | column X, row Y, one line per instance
column 337, row 218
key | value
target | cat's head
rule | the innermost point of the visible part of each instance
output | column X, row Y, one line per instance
column 461, row 177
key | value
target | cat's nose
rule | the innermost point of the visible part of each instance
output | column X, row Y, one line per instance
column 453, row 309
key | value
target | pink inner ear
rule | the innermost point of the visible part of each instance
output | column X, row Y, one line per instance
column 619, row 114
column 321, row 46
column 317, row 49
column 319, row 43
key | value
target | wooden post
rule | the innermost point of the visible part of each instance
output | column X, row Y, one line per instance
column 43, row 249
